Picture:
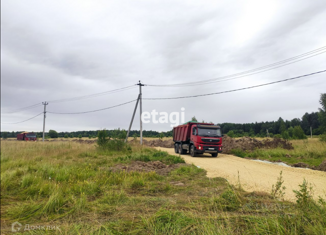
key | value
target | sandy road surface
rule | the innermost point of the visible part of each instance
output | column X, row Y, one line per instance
column 257, row 176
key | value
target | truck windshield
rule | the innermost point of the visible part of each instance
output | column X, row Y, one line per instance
column 31, row 135
column 214, row 132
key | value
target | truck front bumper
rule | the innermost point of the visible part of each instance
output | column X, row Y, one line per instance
column 208, row 149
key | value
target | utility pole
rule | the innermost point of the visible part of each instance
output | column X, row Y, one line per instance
column 45, row 104
column 140, row 109
column 267, row 132
column 132, row 119
column 311, row 132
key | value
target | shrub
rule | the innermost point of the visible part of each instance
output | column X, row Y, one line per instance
column 298, row 133
column 135, row 136
column 116, row 144
column 231, row 134
column 53, row 134
column 285, row 135
column 278, row 136
column 304, row 197
column 102, row 139
column 278, row 189
column 323, row 137
column 80, row 136
column 66, row 136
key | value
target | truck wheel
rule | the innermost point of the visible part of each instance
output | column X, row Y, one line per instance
column 181, row 150
column 192, row 151
column 176, row 148
column 214, row 154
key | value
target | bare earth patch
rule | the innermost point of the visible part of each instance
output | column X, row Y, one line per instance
column 257, row 176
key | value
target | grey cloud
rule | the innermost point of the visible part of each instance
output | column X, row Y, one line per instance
column 64, row 49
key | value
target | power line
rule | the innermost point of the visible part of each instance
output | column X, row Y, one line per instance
column 25, row 108
column 252, row 71
column 240, row 89
column 92, row 95
column 75, row 98
column 24, row 120
column 97, row 110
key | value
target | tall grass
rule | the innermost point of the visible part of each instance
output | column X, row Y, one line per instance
column 310, row 151
column 72, row 186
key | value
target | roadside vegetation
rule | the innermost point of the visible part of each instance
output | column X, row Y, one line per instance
column 80, row 189
column 308, row 151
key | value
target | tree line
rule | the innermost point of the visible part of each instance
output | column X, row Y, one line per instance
column 91, row 134
column 298, row 128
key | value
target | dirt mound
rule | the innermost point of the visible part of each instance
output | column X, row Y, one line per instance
column 159, row 143
column 301, row 165
column 321, row 167
column 247, row 143
column 157, row 166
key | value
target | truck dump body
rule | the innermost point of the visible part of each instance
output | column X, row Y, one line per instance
column 182, row 132
column 197, row 138
column 27, row 136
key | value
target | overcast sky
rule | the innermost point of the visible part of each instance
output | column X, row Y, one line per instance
column 62, row 49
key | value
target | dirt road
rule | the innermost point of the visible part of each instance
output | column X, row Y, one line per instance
column 257, row 176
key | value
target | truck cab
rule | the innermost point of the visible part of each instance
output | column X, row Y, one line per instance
column 206, row 139
column 197, row 138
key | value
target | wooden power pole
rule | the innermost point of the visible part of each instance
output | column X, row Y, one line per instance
column 140, row 112
column 45, row 104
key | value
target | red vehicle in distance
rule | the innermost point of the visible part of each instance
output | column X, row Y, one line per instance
column 31, row 136
column 197, row 138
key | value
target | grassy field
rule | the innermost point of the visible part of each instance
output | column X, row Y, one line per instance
column 309, row 151
column 71, row 186
column 87, row 138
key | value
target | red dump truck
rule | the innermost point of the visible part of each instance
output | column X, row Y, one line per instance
column 27, row 136
column 197, row 138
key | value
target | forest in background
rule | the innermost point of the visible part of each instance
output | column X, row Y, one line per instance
column 298, row 128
